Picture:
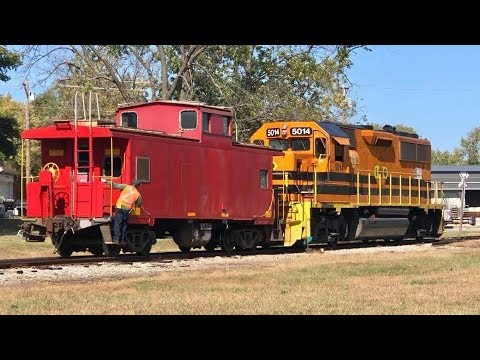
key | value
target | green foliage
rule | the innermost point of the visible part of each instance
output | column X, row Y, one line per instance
column 259, row 82
column 275, row 82
column 468, row 153
column 446, row 157
column 10, row 112
column 8, row 138
column 470, row 147
column 8, row 61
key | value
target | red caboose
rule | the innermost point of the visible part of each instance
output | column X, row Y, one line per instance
column 198, row 185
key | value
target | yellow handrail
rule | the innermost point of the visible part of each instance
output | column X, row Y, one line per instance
column 400, row 189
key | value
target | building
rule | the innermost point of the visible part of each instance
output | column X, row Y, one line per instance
column 9, row 186
column 450, row 176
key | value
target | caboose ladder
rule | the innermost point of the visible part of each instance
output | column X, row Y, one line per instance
column 80, row 148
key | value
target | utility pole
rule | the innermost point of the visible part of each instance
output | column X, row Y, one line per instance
column 26, row 86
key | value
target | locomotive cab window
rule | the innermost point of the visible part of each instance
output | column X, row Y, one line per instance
column 320, row 148
column 280, row 144
column 117, row 166
column 129, row 120
column 300, row 144
column 188, row 119
column 258, row 142
column 143, row 169
column 263, row 179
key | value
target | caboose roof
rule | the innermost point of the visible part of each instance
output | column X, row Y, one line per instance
column 173, row 102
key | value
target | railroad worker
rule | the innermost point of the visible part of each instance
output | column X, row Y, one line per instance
column 129, row 198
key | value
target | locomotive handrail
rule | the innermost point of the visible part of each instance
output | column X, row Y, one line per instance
column 400, row 196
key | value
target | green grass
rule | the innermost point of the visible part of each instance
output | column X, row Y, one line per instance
column 438, row 281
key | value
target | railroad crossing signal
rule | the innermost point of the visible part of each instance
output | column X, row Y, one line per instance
column 462, row 184
column 463, row 179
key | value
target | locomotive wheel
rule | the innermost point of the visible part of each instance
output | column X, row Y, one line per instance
column 185, row 249
column 332, row 242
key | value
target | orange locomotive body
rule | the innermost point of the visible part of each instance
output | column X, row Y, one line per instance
column 345, row 182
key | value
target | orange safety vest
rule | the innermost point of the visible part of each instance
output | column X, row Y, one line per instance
column 128, row 197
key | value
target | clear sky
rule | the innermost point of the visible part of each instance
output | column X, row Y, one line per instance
column 435, row 89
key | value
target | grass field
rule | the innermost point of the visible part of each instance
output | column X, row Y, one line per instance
column 433, row 281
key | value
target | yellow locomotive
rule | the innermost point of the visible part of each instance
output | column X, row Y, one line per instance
column 347, row 182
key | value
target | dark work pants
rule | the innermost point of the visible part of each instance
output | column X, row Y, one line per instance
column 120, row 225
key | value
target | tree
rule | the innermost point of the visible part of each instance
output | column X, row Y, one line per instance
column 275, row 82
column 446, row 157
column 10, row 111
column 8, row 61
column 258, row 82
column 470, row 147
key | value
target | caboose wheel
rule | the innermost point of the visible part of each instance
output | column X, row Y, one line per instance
column 146, row 249
column 210, row 246
column 96, row 250
column 227, row 243
column 185, row 249
column 112, row 250
column 65, row 251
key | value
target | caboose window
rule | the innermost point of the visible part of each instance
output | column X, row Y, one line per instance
column 263, row 179
column 129, row 119
column 188, row 119
column 300, row 144
column 226, row 125
column 117, row 166
column 279, row 144
column 206, row 122
column 143, row 169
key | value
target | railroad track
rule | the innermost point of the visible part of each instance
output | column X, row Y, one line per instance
column 46, row 262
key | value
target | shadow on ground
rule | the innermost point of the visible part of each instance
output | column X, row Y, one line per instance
column 9, row 226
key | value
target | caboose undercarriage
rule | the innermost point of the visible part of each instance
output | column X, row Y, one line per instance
column 83, row 235
column 227, row 234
